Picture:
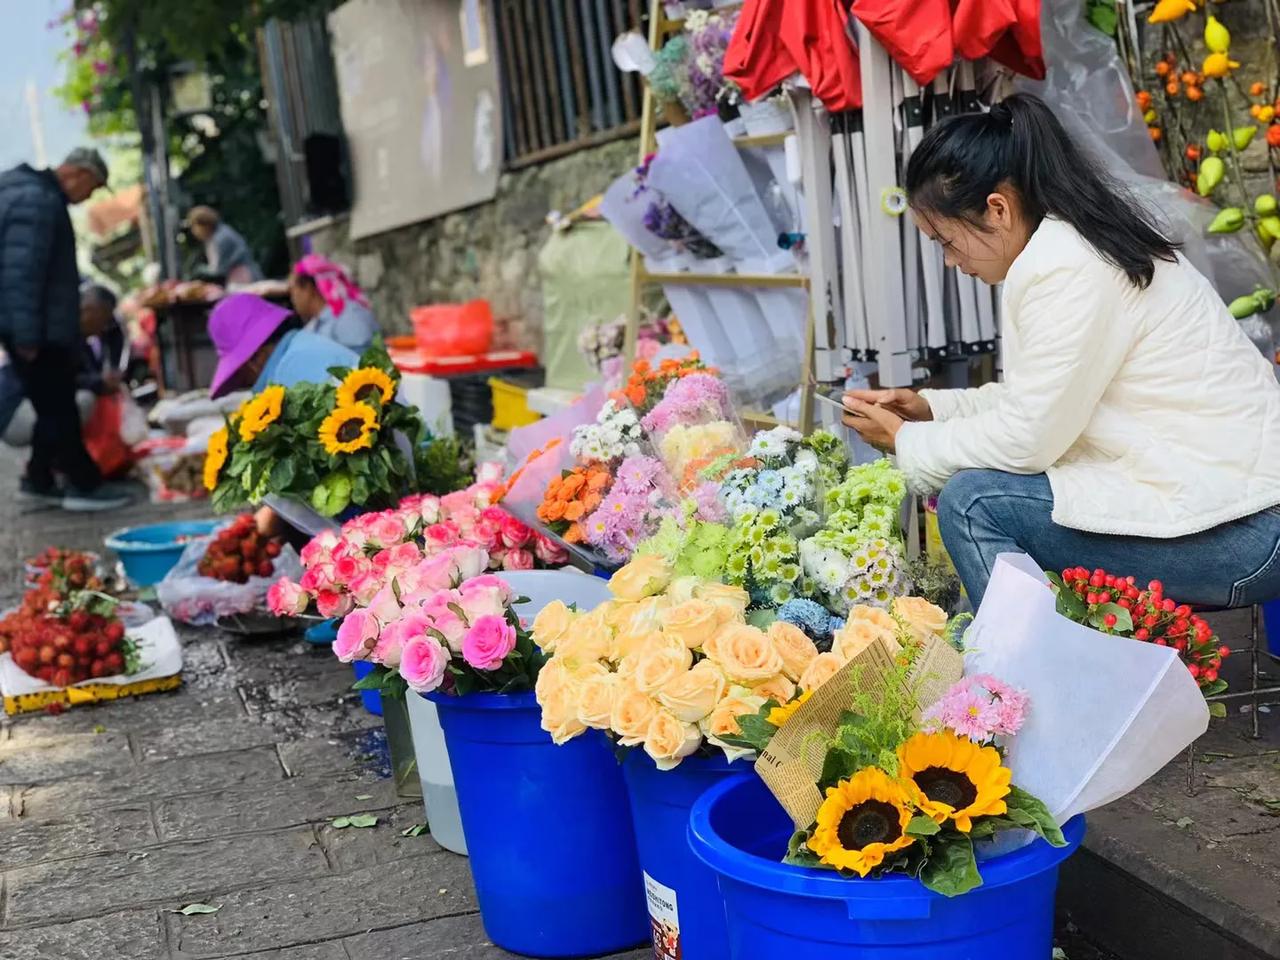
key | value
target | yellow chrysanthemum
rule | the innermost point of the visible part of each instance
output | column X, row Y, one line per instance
column 215, row 458
column 349, row 428
column 260, row 412
column 953, row 778
column 862, row 820
column 363, row 385
column 780, row 715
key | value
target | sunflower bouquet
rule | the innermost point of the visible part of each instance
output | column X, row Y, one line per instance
column 327, row 445
column 920, row 798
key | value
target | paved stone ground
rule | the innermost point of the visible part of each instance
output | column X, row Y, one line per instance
column 112, row 817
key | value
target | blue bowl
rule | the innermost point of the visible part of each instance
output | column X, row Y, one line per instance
column 150, row 552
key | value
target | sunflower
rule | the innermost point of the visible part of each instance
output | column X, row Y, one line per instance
column 862, row 820
column 349, row 428
column 780, row 715
column 215, row 458
column 362, row 385
column 260, row 412
column 953, row 778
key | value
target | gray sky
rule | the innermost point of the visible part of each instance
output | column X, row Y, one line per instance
column 29, row 52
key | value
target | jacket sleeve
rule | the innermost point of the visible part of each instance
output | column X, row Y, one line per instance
column 27, row 244
column 949, row 404
column 1069, row 351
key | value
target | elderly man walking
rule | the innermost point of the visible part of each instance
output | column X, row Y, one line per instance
column 40, row 323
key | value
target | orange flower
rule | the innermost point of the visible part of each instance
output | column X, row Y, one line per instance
column 573, row 534
column 571, row 485
column 575, row 511
column 554, row 511
column 598, row 480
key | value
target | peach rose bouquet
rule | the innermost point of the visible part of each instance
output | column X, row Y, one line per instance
column 668, row 664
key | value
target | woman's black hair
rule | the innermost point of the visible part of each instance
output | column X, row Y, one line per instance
column 1021, row 144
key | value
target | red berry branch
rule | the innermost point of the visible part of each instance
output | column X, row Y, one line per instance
column 1116, row 605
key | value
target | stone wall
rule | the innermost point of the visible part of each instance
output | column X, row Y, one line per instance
column 490, row 250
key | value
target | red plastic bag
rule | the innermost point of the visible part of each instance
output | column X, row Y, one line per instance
column 102, row 436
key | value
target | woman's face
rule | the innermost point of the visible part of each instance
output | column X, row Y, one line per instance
column 306, row 299
column 985, row 251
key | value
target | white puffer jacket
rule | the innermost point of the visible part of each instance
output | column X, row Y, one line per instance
column 1150, row 410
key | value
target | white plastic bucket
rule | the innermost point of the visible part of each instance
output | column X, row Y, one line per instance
column 431, row 396
column 540, row 587
column 438, row 794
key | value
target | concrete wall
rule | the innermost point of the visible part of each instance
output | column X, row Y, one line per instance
column 489, row 251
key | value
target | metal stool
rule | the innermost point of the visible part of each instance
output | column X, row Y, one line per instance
column 1255, row 692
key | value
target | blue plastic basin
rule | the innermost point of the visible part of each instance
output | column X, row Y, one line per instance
column 372, row 699
column 681, row 889
column 738, row 830
column 548, row 830
column 149, row 552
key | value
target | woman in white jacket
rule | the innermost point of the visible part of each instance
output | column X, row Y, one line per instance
column 1137, row 429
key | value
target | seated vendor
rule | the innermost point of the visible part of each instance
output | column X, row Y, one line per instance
column 259, row 343
column 1137, row 429
column 330, row 303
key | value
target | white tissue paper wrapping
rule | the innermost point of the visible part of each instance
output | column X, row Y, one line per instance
column 1106, row 713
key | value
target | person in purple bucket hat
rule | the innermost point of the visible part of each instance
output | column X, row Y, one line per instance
column 259, row 344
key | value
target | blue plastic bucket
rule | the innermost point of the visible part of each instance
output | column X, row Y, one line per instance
column 548, row 830
column 1271, row 620
column 322, row 634
column 372, row 699
column 149, row 552
column 681, row 890
column 738, row 830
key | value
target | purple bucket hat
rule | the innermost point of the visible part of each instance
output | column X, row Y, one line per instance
column 238, row 326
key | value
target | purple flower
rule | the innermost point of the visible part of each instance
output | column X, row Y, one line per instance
column 693, row 399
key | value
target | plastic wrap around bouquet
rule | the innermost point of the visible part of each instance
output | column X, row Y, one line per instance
column 190, row 597
column 1126, row 720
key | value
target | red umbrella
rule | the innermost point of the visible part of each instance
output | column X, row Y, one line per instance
column 776, row 38
column 1008, row 31
column 916, row 33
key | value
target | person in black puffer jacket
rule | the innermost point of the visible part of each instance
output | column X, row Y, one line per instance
column 40, row 322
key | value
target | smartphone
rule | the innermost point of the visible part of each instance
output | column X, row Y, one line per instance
column 832, row 401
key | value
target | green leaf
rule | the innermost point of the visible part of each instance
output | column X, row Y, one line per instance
column 923, row 827
column 341, row 823
column 363, row 820
column 416, row 830
column 951, row 869
column 192, row 909
column 1218, row 711
column 99, row 728
column 282, row 474
column 839, row 764
column 1214, row 688
column 1102, row 15
column 798, row 852
column 1183, row 822
column 372, row 680
column 364, row 796
column 1124, row 620
column 1023, row 806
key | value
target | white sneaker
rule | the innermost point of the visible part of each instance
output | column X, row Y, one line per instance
column 94, row 501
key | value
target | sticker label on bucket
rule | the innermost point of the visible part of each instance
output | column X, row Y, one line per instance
column 664, row 918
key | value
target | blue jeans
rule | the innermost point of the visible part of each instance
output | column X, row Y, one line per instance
column 986, row 512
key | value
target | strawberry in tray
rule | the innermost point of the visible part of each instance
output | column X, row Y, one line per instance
column 239, row 552
column 68, row 642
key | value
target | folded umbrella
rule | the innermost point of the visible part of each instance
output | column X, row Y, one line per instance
column 775, row 39
column 1008, row 31
column 916, row 33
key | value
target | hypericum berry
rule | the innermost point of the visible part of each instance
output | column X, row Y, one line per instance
column 1109, row 580
column 1211, row 675
column 1155, row 586
column 1091, row 598
column 1142, row 633
column 1193, row 670
column 1150, row 620
column 1161, row 642
column 1168, row 606
column 1224, row 651
column 1180, row 645
column 1109, row 620
column 1127, row 604
column 1183, row 610
column 1104, row 596
column 1097, row 580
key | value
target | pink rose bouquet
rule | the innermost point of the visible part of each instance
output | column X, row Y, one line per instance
column 980, row 707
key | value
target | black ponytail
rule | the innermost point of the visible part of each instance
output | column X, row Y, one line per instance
column 1021, row 144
